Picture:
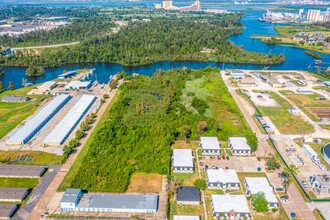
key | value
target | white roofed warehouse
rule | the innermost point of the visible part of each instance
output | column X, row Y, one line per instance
column 182, row 161
column 64, row 128
column 239, row 146
column 75, row 200
column 230, row 206
column 34, row 125
column 210, row 146
column 254, row 185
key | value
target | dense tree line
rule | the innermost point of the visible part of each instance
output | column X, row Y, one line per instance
column 143, row 43
column 146, row 118
column 29, row 12
column 79, row 30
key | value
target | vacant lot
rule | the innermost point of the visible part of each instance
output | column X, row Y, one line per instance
column 310, row 104
column 18, row 182
column 283, row 120
column 181, row 144
column 186, row 210
column 12, row 114
column 29, row 158
column 145, row 183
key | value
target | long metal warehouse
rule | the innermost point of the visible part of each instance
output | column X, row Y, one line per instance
column 63, row 129
column 33, row 126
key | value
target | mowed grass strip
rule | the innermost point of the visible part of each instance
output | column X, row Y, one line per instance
column 37, row 157
column 19, row 182
column 283, row 120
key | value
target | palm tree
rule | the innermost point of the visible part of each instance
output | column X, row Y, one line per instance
column 288, row 171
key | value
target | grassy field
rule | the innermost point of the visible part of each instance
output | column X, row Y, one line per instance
column 145, row 183
column 186, row 210
column 186, row 179
column 38, row 157
column 12, row 114
column 19, row 182
column 78, row 162
column 284, row 122
column 181, row 144
column 305, row 101
column 325, row 88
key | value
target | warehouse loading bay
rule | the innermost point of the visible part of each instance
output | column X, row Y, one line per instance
column 36, row 143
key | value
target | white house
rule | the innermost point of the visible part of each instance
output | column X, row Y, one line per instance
column 182, row 161
column 210, row 145
column 222, row 179
column 254, row 185
column 239, row 146
column 230, row 206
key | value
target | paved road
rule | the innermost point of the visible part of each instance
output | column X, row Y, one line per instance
column 37, row 193
column 43, row 202
column 45, row 46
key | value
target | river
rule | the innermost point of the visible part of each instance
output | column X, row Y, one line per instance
column 296, row 59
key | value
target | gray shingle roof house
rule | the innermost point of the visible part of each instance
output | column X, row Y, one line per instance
column 188, row 195
column 210, row 145
column 222, row 179
column 76, row 200
column 17, row 171
column 13, row 194
column 12, row 98
column 239, row 146
column 182, row 161
column 230, row 206
column 7, row 210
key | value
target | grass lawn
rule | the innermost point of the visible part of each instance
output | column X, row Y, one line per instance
column 279, row 215
column 325, row 88
column 186, row 179
column 12, row 114
column 38, row 157
column 19, row 182
column 186, row 210
column 214, row 192
column 326, row 126
column 305, row 101
column 78, row 162
column 145, row 183
column 181, row 144
column 284, row 122
column 318, row 215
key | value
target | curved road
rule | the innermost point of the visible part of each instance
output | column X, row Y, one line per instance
column 45, row 46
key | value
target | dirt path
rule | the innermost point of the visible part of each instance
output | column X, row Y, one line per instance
column 45, row 46
column 40, row 207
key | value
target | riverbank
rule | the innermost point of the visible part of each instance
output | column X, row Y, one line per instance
column 286, row 36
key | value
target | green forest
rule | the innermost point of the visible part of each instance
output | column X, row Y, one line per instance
column 167, row 37
column 148, row 116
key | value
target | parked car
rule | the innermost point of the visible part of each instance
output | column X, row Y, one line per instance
column 304, row 184
column 279, row 189
column 223, row 157
column 219, row 158
column 213, row 167
column 227, row 157
column 258, row 158
column 206, row 167
column 284, row 197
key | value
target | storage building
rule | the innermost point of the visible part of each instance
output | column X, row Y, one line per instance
column 254, row 185
column 182, row 161
column 188, row 195
column 311, row 153
column 64, row 128
column 75, row 200
column 12, row 98
column 33, row 126
column 13, row 194
column 18, row 171
column 47, row 86
column 304, row 91
column 237, row 74
column 76, row 85
column 67, row 74
column 210, row 145
column 222, row 179
column 239, row 146
column 7, row 210
column 230, row 206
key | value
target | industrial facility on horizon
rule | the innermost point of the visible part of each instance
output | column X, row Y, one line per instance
column 168, row 5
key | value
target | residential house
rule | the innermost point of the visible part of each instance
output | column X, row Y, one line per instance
column 210, row 145
column 182, row 161
column 230, row 206
column 239, row 146
column 222, row 179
